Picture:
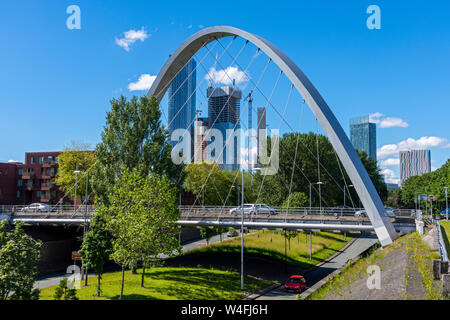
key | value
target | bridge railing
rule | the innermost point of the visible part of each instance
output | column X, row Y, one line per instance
column 56, row 209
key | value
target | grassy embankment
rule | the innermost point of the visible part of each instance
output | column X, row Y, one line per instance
column 445, row 228
column 268, row 244
column 412, row 244
column 203, row 283
column 168, row 284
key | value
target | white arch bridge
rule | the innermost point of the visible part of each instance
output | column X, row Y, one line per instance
column 376, row 220
column 364, row 187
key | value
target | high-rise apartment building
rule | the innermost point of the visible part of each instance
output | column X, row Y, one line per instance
column 200, row 139
column 414, row 163
column 223, row 115
column 182, row 101
column 363, row 135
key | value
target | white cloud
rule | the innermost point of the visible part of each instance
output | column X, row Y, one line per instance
column 201, row 26
column 389, row 176
column 410, row 143
column 131, row 37
column 189, row 26
column 390, row 162
column 144, row 82
column 226, row 76
column 387, row 122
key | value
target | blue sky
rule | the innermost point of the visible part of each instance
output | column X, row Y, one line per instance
column 56, row 83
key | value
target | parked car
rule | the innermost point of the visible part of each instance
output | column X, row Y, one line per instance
column 37, row 207
column 254, row 209
column 361, row 213
column 444, row 214
column 232, row 233
column 342, row 211
column 295, row 283
column 391, row 212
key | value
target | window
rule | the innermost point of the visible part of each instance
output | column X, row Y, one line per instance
column 19, row 183
column 38, row 194
column 20, row 171
column 41, row 160
column 32, row 160
column 18, row 194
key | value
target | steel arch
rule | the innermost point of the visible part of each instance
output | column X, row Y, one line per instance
column 342, row 145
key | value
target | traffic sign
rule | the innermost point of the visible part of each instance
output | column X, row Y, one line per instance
column 431, row 197
column 422, row 196
column 76, row 255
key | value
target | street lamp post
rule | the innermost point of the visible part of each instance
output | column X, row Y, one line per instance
column 76, row 181
column 242, row 231
column 446, row 203
column 345, row 186
column 320, row 197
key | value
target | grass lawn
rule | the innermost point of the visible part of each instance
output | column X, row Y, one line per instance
column 168, row 284
column 268, row 244
column 446, row 234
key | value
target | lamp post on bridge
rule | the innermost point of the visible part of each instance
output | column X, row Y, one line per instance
column 320, row 198
column 446, row 203
column 76, row 181
column 345, row 186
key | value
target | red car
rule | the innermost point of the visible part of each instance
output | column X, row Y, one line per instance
column 295, row 283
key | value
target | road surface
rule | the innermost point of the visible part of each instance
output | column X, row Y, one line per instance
column 360, row 245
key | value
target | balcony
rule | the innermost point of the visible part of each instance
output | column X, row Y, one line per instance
column 28, row 186
column 48, row 174
column 47, row 185
column 27, row 175
column 45, row 199
column 49, row 163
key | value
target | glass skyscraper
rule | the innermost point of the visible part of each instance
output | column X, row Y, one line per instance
column 223, row 114
column 182, row 101
column 363, row 135
column 414, row 163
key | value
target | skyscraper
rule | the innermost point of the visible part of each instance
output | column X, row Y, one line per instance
column 224, row 113
column 363, row 135
column 261, row 126
column 414, row 163
column 182, row 101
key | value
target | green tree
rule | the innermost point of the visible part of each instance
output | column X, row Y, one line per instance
column 288, row 235
column 430, row 183
column 97, row 247
column 208, row 183
column 63, row 292
column 142, row 215
column 75, row 156
column 19, row 255
column 133, row 138
column 207, row 233
column 306, row 149
column 296, row 199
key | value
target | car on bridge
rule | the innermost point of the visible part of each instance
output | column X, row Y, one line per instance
column 342, row 211
column 38, row 207
column 254, row 209
column 389, row 211
column 295, row 283
column 443, row 214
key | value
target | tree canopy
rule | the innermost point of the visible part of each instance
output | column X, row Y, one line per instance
column 19, row 255
column 133, row 138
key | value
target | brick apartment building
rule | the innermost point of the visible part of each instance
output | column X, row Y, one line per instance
column 32, row 181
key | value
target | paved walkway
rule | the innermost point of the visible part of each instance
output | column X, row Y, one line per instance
column 360, row 245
